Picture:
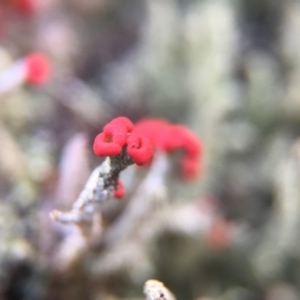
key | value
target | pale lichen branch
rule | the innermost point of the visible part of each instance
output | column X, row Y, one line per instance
column 98, row 189
column 155, row 290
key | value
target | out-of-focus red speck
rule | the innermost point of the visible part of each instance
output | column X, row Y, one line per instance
column 24, row 6
column 218, row 236
column 38, row 68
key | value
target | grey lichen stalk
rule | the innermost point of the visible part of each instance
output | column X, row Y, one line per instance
column 98, row 189
column 156, row 290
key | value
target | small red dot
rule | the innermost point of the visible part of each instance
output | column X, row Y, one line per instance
column 38, row 68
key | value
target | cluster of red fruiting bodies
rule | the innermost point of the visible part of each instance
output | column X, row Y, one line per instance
column 143, row 138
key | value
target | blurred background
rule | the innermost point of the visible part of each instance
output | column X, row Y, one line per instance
column 227, row 69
